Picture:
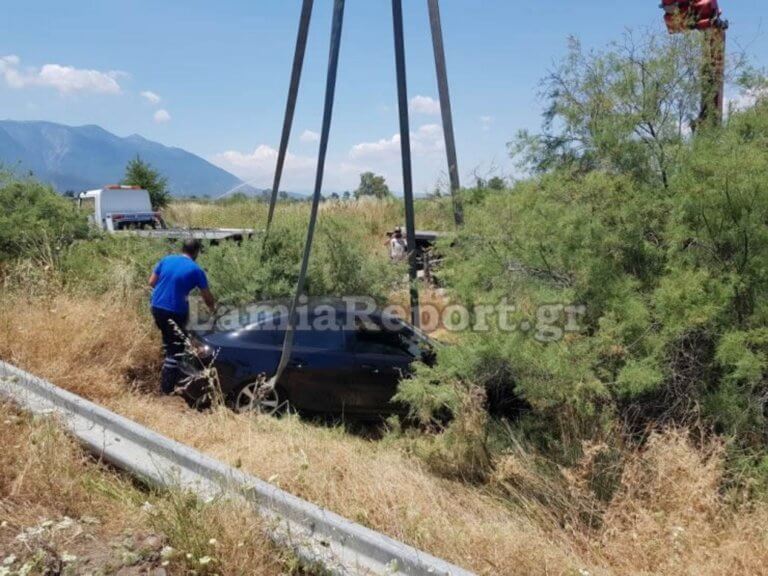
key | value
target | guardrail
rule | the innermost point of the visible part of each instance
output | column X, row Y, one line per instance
column 316, row 535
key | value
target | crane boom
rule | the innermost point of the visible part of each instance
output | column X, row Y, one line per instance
column 706, row 16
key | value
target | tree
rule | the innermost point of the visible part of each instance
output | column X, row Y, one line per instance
column 335, row 196
column 140, row 173
column 436, row 193
column 496, row 183
column 626, row 109
column 372, row 185
column 347, row 195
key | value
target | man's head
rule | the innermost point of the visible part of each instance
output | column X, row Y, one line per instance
column 191, row 248
column 398, row 233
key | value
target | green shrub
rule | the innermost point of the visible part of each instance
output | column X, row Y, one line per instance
column 340, row 265
column 674, row 281
column 35, row 221
column 240, row 274
column 111, row 262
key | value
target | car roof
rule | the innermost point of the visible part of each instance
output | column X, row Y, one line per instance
column 281, row 307
column 330, row 301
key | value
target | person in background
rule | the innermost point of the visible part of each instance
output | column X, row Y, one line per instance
column 398, row 248
column 172, row 280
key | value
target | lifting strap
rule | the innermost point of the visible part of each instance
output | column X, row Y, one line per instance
column 330, row 92
column 405, row 151
column 290, row 109
column 445, row 108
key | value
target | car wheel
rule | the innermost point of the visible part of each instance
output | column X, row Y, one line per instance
column 259, row 398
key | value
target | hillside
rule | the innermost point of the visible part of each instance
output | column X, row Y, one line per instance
column 84, row 157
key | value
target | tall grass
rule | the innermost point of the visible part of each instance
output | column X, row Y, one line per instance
column 375, row 217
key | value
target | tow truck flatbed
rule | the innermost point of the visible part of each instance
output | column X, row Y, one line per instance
column 202, row 234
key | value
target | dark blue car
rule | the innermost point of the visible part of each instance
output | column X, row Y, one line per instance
column 341, row 363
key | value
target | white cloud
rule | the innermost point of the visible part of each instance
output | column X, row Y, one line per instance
column 11, row 60
column 425, row 105
column 151, row 97
column 747, row 98
column 342, row 173
column 309, row 136
column 426, row 140
column 64, row 79
column 258, row 167
column 383, row 147
column 486, row 122
column 162, row 116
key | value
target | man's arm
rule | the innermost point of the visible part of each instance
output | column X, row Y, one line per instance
column 208, row 298
column 205, row 292
column 155, row 274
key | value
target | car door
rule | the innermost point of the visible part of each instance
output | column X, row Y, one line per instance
column 318, row 371
column 381, row 360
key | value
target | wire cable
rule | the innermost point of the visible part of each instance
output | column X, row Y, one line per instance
column 445, row 108
column 290, row 109
column 405, row 152
column 330, row 93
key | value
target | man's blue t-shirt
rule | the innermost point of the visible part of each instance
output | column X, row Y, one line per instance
column 177, row 276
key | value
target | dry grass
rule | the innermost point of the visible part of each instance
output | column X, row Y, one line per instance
column 668, row 516
column 63, row 336
column 64, row 513
column 376, row 485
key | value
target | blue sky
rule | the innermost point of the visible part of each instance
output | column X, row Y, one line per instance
column 211, row 77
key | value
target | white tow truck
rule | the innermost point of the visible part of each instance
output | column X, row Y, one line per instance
column 128, row 209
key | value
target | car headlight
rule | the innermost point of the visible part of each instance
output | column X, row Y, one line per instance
column 203, row 351
column 199, row 349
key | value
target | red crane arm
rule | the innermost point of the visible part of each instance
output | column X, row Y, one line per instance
column 684, row 15
column 705, row 15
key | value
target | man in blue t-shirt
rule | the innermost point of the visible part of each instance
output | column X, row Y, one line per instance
column 172, row 280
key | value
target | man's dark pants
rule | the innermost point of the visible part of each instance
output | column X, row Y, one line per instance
column 173, row 328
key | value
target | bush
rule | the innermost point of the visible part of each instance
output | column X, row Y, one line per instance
column 111, row 262
column 35, row 221
column 339, row 265
column 674, row 282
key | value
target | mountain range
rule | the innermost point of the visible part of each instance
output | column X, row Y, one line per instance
column 81, row 158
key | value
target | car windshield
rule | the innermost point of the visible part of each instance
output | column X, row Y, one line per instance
column 409, row 331
column 273, row 317
column 248, row 318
